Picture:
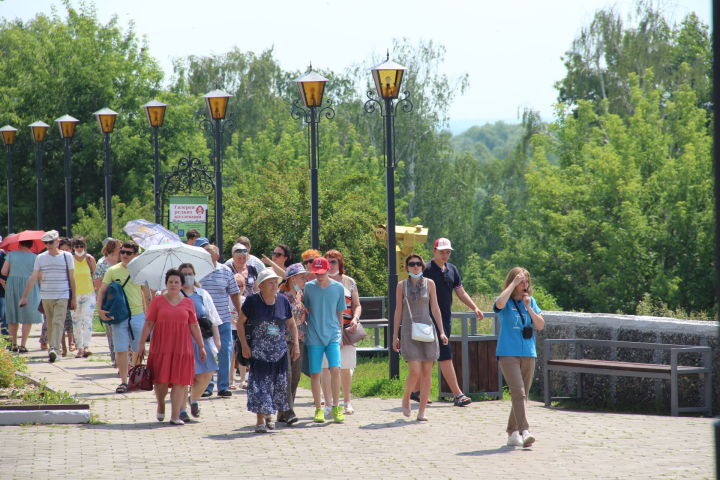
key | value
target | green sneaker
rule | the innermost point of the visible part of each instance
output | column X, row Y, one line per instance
column 319, row 415
column 338, row 415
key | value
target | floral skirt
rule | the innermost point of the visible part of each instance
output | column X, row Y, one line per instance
column 267, row 386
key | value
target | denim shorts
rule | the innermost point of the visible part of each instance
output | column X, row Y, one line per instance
column 316, row 353
column 121, row 333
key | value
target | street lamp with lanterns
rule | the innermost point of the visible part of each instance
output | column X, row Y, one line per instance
column 217, row 102
column 312, row 87
column 39, row 132
column 155, row 111
column 388, row 77
column 67, row 125
column 8, row 134
column 106, row 121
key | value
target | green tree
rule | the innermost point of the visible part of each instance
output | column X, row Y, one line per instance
column 50, row 66
column 609, row 49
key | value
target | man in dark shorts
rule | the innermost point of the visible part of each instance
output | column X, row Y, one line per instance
column 447, row 279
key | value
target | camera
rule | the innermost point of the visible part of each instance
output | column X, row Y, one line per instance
column 527, row 332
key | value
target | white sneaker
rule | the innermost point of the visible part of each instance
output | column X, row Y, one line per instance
column 527, row 439
column 349, row 410
column 515, row 440
column 328, row 411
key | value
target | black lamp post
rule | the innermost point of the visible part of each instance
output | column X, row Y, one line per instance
column 388, row 78
column 311, row 87
column 217, row 102
column 39, row 131
column 67, row 126
column 106, row 121
column 8, row 135
column 155, row 112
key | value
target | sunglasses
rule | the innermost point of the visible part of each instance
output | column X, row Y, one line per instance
column 278, row 254
column 415, row 264
column 127, row 252
column 333, row 261
column 308, row 262
column 240, row 251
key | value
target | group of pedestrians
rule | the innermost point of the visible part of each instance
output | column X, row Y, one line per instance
column 273, row 317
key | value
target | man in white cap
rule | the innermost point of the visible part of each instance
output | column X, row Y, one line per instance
column 447, row 280
column 56, row 271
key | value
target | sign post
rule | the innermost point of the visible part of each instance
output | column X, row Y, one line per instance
column 186, row 212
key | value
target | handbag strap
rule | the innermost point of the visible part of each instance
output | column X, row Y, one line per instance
column 522, row 318
column 407, row 302
column 67, row 273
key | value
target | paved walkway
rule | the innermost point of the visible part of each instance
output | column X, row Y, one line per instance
column 376, row 442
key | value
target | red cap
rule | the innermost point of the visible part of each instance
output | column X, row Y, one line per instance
column 320, row 265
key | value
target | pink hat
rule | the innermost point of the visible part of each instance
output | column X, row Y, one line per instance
column 320, row 265
column 443, row 244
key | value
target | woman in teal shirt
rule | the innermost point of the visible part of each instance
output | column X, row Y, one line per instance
column 520, row 316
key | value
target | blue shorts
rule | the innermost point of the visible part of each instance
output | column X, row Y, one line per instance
column 121, row 333
column 315, row 356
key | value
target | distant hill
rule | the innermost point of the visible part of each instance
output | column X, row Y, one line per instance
column 490, row 140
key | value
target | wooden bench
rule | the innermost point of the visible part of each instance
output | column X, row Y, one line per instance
column 373, row 317
column 671, row 372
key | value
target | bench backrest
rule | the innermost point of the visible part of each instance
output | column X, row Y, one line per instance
column 373, row 308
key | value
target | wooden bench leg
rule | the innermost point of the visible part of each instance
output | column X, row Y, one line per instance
column 707, row 383
column 673, row 392
column 579, row 389
column 546, row 385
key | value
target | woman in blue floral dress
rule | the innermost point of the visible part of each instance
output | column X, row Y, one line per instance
column 262, row 323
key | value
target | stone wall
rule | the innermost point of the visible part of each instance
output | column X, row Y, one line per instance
column 603, row 389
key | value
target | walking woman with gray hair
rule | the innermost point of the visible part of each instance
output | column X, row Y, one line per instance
column 519, row 317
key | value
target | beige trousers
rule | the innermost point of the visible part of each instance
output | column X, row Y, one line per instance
column 55, row 312
column 518, row 373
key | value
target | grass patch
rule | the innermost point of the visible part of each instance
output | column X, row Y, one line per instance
column 371, row 379
column 16, row 390
column 97, row 325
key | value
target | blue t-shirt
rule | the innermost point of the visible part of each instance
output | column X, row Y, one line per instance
column 323, row 327
column 510, row 341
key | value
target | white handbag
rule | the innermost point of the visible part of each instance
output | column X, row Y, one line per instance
column 421, row 332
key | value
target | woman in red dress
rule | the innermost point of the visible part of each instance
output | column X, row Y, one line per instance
column 171, row 318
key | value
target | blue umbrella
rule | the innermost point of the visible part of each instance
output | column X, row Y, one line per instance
column 146, row 234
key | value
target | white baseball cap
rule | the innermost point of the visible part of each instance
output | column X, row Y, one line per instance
column 443, row 244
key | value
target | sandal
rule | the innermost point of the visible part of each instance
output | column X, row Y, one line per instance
column 87, row 353
column 122, row 388
column 43, row 346
column 461, row 400
column 22, row 349
column 232, row 387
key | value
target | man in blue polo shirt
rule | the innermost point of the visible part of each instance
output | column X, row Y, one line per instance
column 223, row 289
column 447, row 280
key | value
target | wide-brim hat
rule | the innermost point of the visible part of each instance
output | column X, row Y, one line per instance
column 294, row 269
column 50, row 236
column 266, row 274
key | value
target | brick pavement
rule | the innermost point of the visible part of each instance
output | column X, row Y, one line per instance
column 376, row 442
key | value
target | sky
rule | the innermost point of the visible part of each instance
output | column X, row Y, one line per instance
column 511, row 49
